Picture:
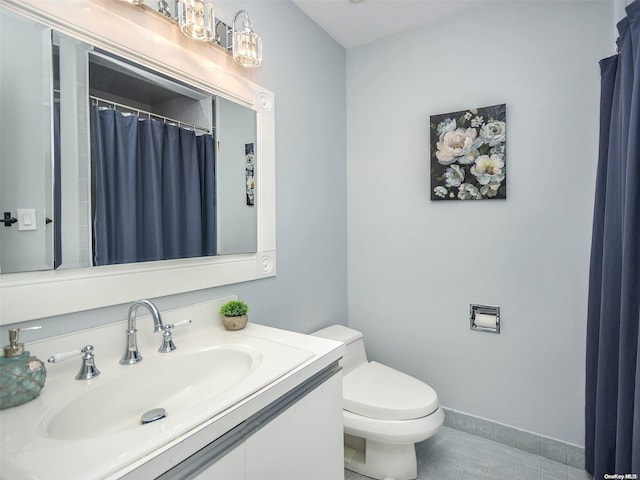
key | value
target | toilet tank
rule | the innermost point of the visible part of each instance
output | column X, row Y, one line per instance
column 354, row 355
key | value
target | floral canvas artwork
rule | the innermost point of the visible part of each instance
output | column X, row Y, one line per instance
column 468, row 154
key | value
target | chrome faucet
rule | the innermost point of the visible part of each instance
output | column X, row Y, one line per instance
column 131, row 354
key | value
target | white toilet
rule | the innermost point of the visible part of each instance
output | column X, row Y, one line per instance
column 386, row 412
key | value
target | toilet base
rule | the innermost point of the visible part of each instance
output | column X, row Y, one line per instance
column 380, row 460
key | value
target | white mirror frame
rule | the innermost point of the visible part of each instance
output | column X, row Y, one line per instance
column 147, row 38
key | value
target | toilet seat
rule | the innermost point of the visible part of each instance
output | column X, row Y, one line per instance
column 376, row 391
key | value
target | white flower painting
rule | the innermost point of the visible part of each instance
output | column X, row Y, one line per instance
column 468, row 154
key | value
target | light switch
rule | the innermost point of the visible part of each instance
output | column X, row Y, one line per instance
column 27, row 219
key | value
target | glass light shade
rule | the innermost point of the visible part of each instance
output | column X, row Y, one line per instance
column 247, row 48
column 196, row 19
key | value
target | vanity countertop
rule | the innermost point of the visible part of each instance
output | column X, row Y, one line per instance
column 34, row 446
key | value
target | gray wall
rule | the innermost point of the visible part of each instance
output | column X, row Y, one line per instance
column 310, row 290
column 416, row 265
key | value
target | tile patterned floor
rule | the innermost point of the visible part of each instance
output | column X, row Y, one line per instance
column 455, row 455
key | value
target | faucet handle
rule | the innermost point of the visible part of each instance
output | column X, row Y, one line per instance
column 88, row 368
column 181, row 323
column 61, row 357
column 167, row 341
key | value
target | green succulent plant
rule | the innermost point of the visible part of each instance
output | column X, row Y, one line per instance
column 234, row 308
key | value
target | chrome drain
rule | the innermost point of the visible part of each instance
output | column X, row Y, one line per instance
column 153, row 415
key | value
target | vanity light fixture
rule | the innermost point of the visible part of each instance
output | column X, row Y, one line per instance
column 246, row 45
column 196, row 19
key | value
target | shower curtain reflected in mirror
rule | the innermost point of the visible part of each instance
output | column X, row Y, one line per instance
column 153, row 190
column 612, row 443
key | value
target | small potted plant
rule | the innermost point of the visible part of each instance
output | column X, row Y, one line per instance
column 234, row 314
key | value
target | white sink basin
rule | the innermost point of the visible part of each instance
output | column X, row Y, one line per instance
column 176, row 384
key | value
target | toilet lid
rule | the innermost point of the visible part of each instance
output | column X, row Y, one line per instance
column 377, row 391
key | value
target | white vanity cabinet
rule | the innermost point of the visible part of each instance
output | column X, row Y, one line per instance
column 303, row 441
column 229, row 467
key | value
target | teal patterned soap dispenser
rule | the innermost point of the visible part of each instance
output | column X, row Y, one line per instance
column 22, row 376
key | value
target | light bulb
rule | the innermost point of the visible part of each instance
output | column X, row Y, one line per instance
column 196, row 19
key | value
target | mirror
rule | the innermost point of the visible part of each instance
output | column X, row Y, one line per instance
column 167, row 176
column 98, row 53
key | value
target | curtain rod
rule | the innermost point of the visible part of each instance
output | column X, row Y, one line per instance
column 149, row 114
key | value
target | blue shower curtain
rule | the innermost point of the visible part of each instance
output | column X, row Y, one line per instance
column 612, row 414
column 154, row 190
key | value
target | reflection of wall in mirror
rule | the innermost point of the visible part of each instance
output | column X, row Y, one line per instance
column 25, row 143
column 237, row 221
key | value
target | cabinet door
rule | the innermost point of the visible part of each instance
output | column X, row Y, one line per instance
column 304, row 441
column 229, row 467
